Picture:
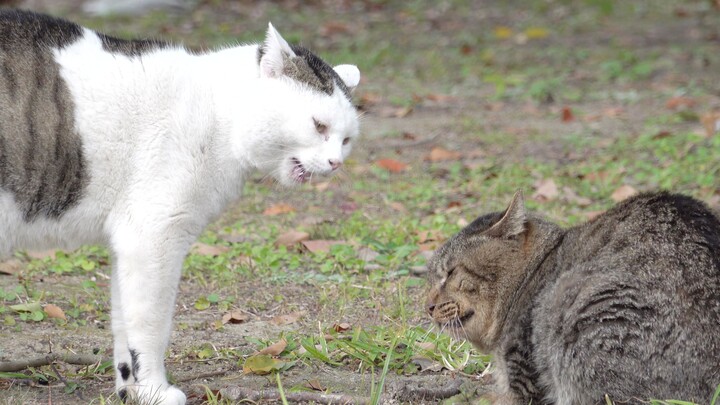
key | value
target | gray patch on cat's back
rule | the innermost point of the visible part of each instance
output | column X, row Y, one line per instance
column 132, row 48
column 41, row 156
column 309, row 69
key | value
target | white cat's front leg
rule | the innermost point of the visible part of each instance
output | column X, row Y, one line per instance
column 146, row 280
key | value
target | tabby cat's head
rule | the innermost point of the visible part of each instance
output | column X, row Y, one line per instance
column 317, row 122
column 474, row 274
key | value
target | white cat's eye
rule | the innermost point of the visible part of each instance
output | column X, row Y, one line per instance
column 320, row 127
column 346, row 141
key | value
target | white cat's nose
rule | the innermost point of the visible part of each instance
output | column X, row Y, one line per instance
column 335, row 164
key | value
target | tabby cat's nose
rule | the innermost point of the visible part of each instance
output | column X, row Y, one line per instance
column 430, row 308
column 335, row 164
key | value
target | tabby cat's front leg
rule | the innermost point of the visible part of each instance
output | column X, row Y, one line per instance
column 146, row 278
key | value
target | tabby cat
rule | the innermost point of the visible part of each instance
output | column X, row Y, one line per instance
column 626, row 305
column 140, row 144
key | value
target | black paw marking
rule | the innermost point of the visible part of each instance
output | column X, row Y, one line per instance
column 135, row 363
column 124, row 371
column 122, row 394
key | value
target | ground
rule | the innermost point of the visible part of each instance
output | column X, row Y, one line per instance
column 577, row 103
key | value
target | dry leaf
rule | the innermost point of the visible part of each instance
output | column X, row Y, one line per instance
column 235, row 316
column 392, row 165
column 341, row 327
column 711, row 123
column 54, row 311
column 623, row 192
column 291, row 238
column 10, row 267
column 274, row 349
column 429, row 346
column 42, row 254
column 593, row 214
column 433, row 235
column 675, row 103
column 536, row 33
column 438, row 154
column 314, row 385
column 398, row 206
column 571, row 196
column 208, row 250
column 394, row 112
column 546, row 190
column 278, row 209
column 369, row 99
column 503, row 32
column 439, row 97
column 567, row 114
column 288, row 318
column 320, row 245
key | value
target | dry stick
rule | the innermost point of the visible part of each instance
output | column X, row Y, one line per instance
column 62, row 379
column 446, row 391
column 204, row 375
column 77, row 359
column 238, row 393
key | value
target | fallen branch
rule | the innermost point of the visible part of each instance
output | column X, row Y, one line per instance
column 77, row 359
column 243, row 393
column 204, row 375
column 448, row 390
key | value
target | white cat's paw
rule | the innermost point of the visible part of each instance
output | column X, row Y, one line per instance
column 153, row 394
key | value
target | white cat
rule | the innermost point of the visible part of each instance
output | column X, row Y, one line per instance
column 139, row 145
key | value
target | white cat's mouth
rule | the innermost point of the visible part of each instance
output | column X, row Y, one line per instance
column 298, row 172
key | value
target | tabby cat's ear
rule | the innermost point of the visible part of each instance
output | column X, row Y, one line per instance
column 513, row 221
column 274, row 52
column 349, row 74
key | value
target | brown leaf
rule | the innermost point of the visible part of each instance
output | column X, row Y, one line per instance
column 675, row 103
column 392, row 165
column 321, row 245
column 287, row 318
column 623, row 192
column 334, row 27
column 593, row 214
column 430, row 236
column 291, row 238
column 662, row 135
column 42, row 254
column 546, row 190
column 274, row 349
column 54, row 311
column 711, row 123
column 438, row 154
column 278, row 209
column 369, row 99
column 10, row 267
column 341, row 327
column 208, row 250
column 314, row 385
column 394, row 112
column 408, row 136
column 567, row 114
column 595, row 176
column 439, row 97
column 397, row 206
column 571, row 196
column 235, row 316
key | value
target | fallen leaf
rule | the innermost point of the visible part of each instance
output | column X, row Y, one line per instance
column 235, row 316
column 334, row 27
column 397, row 206
column 348, row 207
column 392, row 165
column 409, row 136
column 536, row 33
column 454, row 204
column 366, row 254
column 546, row 190
column 567, row 114
column 429, row 346
column 677, row 102
column 278, row 209
column 275, row 349
column 590, row 215
column 10, row 267
column 262, row 364
column 314, row 385
column 662, row 135
column 595, row 176
column 438, row 154
column 287, row 318
column 711, row 123
column 394, row 112
column 27, row 307
column 439, row 97
column 571, row 196
column 433, row 235
column 369, row 99
column 503, row 32
column 291, row 238
column 315, row 246
column 209, row 250
column 42, row 254
column 54, row 311
column 341, row 327
column 466, row 49
column 622, row 193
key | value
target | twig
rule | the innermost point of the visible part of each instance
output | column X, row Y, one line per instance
column 446, row 391
column 205, row 375
column 238, row 393
column 63, row 380
column 77, row 359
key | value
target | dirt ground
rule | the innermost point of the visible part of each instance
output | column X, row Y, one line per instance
column 517, row 126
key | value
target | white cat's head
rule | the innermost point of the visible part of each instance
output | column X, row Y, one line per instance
column 317, row 123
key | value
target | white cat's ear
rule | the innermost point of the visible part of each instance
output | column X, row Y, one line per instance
column 275, row 51
column 349, row 74
column 513, row 222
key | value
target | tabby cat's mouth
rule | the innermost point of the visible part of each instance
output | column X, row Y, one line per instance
column 466, row 316
column 298, row 172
